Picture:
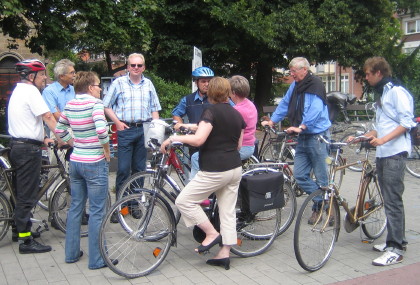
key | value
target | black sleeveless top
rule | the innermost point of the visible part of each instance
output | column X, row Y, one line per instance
column 220, row 151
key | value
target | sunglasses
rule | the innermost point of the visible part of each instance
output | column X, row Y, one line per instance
column 138, row 65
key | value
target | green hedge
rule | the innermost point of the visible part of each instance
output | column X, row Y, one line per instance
column 169, row 94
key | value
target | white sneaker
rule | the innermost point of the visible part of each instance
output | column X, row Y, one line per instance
column 379, row 247
column 388, row 258
column 382, row 247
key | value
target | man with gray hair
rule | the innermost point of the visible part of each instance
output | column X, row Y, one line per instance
column 57, row 94
column 306, row 108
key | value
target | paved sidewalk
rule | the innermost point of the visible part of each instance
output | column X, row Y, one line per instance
column 350, row 262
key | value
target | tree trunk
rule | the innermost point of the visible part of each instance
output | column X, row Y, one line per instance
column 263, row 93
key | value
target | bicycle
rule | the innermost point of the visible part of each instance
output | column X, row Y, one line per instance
column 314, row 243
column 340, row 131
column 6, row 209
column 413, row 160
column 141, row 245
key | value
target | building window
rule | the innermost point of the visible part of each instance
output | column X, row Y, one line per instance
column 412, row 27
column 329, row 82
column 344, row 83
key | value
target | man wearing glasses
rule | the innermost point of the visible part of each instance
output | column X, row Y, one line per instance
column 305, row 106
column 57, row 94
column 130, row 101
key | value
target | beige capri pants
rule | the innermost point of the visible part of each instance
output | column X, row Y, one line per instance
column 225, row 184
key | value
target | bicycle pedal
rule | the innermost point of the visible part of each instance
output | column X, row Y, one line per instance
column 367, row 240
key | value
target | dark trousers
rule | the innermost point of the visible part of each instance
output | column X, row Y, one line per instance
column 26, row 159
column 132, row 154
column 391, row 171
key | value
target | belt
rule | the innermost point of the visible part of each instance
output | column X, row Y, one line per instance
column 401, row 154
column 28, row 141
column 138, row 124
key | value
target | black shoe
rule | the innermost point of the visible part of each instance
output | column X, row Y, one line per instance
column 85, row 219
column 223, row 262
column 114, row 218
column 114, row 262
column 32, row 246
column 205, row 248
column 136, row 213
column 15, row 237
column 80, row 255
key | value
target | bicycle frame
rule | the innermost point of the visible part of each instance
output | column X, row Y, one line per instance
column 366, row 175
column 9, row 170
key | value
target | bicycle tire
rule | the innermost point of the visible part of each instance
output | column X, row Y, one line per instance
column 257, row 232
column 5, row 215
column 413, row 161
column 60, row 205
column 145, row 180
column 138, row 253
column 374, row 224
column 271, row 153
column 353, row 152
column 3, row 184
column 314, row 246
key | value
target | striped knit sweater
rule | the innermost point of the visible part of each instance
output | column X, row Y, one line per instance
column 85, row 116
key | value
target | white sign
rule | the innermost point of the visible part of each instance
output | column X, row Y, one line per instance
column 196, row 62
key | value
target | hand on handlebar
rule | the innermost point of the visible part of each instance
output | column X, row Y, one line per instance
column 164, row 145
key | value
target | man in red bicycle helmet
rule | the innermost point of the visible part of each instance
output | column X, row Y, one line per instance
column 26, row 112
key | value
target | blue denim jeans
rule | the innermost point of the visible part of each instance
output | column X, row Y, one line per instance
column 390, row 171
column 132, row 154
column 87, row 180
column 311, row 154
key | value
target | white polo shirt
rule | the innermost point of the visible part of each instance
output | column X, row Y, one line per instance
column 24, row 113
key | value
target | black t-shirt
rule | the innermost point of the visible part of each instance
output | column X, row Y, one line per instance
column 220, row 151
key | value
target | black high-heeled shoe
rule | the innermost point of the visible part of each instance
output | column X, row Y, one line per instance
column 223, row 262
column 205, row 248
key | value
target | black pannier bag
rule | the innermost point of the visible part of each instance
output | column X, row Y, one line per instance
column 261, row 192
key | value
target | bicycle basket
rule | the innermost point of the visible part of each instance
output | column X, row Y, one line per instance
column 155, row 129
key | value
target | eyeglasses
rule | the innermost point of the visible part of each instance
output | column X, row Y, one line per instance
column 138, row 65
column 294, row 70
column 97, row 85
column 72, row 72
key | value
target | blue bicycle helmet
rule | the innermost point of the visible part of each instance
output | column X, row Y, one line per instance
column 202, row 72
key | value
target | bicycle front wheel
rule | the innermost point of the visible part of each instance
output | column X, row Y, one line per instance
column 315, row 235
column 146, row 180
column 413, row 161
column 372, row 210
column 5, row 215
column 140, row 244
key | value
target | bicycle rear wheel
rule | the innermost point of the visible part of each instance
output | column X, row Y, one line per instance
column 256, row 232
column 288, row 212
column 413, row 161
column 314, row 243
column 5, row 215
column 272, row 153
column 60, row 205
column 374, row 224
column 140, row 245
column 146, row 180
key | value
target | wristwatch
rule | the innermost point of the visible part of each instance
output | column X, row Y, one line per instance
column 300, row 127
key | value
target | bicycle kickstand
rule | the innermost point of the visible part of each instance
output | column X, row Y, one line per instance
column 364, row 238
